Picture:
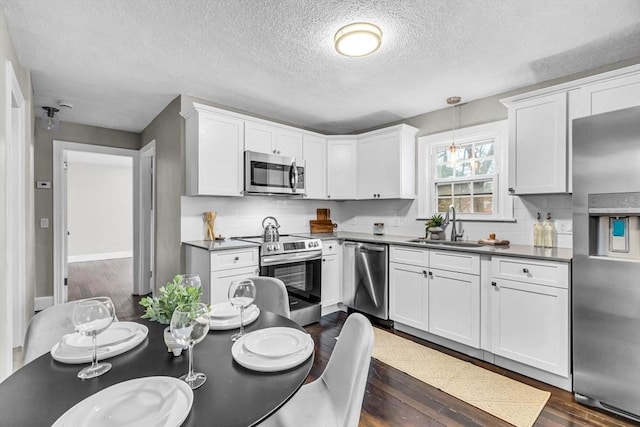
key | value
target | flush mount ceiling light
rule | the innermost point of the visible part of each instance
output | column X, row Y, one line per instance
column 358, row 39
column 50, row 121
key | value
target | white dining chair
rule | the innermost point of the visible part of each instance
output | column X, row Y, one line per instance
column 334, row 399
column 47, row 328
column 271, row 295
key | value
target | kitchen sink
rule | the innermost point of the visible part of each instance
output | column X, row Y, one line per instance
column 457, row 244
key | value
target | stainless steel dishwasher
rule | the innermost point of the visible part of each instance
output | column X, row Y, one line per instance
column 365, row 280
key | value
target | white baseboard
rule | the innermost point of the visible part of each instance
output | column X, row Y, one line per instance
column 43, row 302
column 99, row 257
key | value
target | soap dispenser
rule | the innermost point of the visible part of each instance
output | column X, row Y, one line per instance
column 537, row 232
column 548, row 232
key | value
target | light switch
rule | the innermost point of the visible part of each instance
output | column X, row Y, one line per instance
column 44, row 222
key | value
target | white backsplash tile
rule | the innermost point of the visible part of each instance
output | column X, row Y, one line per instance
column 242, row 216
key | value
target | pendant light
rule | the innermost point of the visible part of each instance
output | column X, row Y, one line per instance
column 453, row 101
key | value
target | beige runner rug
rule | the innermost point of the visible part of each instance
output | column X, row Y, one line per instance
column 502, row 397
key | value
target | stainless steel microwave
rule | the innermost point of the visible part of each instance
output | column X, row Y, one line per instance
column 269, row 174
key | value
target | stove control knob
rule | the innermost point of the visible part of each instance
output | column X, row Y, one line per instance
column 269, row 248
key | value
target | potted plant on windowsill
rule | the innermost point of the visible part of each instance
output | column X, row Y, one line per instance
column 434, row 228
column 161, row 308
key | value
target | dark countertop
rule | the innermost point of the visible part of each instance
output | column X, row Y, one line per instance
column 522, row 251
column 221, row 245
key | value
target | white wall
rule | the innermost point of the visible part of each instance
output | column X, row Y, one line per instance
column 100, row 211
column 243, row 217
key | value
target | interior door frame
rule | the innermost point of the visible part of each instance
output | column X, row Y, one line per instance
column 147, row 219
column 60, row 210
column 14, row 277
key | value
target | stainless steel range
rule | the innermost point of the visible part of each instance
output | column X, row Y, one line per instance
column 296, row 261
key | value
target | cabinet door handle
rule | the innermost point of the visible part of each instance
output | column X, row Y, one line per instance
column 512, row 190
column 494, row 284
column 257, row 271
column 525, row 270
column 324, row 260
column 424, row 273
column 430, row 274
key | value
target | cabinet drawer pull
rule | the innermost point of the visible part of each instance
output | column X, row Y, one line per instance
column 236, row 258
column 525, row 270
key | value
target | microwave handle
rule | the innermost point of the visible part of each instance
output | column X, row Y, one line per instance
column 293, row 176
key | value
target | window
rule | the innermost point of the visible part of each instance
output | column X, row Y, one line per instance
column 472, row 179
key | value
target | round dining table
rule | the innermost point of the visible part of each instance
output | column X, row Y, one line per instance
column 41, row 391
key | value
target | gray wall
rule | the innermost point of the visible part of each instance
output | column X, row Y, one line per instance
column 490, row 109
column 167, row 129
column 70, row 132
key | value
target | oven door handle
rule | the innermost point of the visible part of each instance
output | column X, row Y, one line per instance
column 290, row 258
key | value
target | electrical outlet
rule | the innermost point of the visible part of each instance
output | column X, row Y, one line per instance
column 44, row 222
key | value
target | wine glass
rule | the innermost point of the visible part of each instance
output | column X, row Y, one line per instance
column 189, row 326
column 90, row 318
column 241, row 294
column 190, row 280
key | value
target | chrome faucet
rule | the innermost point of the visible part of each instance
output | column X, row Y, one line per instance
column 454, row 225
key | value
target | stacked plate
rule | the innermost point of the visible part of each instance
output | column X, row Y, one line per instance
column 117, row 339
column 272, row 349
column 224, row 316
column 150, row 401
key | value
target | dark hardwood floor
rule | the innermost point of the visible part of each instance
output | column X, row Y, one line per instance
column 112, row 278
column 392, row 398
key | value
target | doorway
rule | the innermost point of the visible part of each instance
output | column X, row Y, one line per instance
column 62, row 150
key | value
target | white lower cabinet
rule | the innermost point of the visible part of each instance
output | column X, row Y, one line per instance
column 409, row 295
column 454, row 306
column 530, row 313
column 331, row 274
column 220, row 281
column 439, row 301
column 217, row 269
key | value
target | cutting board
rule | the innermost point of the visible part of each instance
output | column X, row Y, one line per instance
column 321, row 226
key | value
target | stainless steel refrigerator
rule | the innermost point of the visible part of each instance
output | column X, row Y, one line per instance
column 606, row 261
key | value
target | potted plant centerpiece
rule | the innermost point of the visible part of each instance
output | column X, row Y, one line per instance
column 434, row 227
column 161, row 308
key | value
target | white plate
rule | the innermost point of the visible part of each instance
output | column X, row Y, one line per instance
column 224, row 310
column 116, row 333
column 251, row 313
column 259, row 363
column 150, row 401
column 275, row 342
column 75, row 355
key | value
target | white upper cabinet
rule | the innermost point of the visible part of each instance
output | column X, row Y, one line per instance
column 341, row 169
column 610, row 95
column 271, row 139
column 386, row 163
column 314, row 151
column 538, row 145
column 214, row 152
column 540, row 126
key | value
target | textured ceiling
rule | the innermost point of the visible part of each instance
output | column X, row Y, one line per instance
column 120, row 62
